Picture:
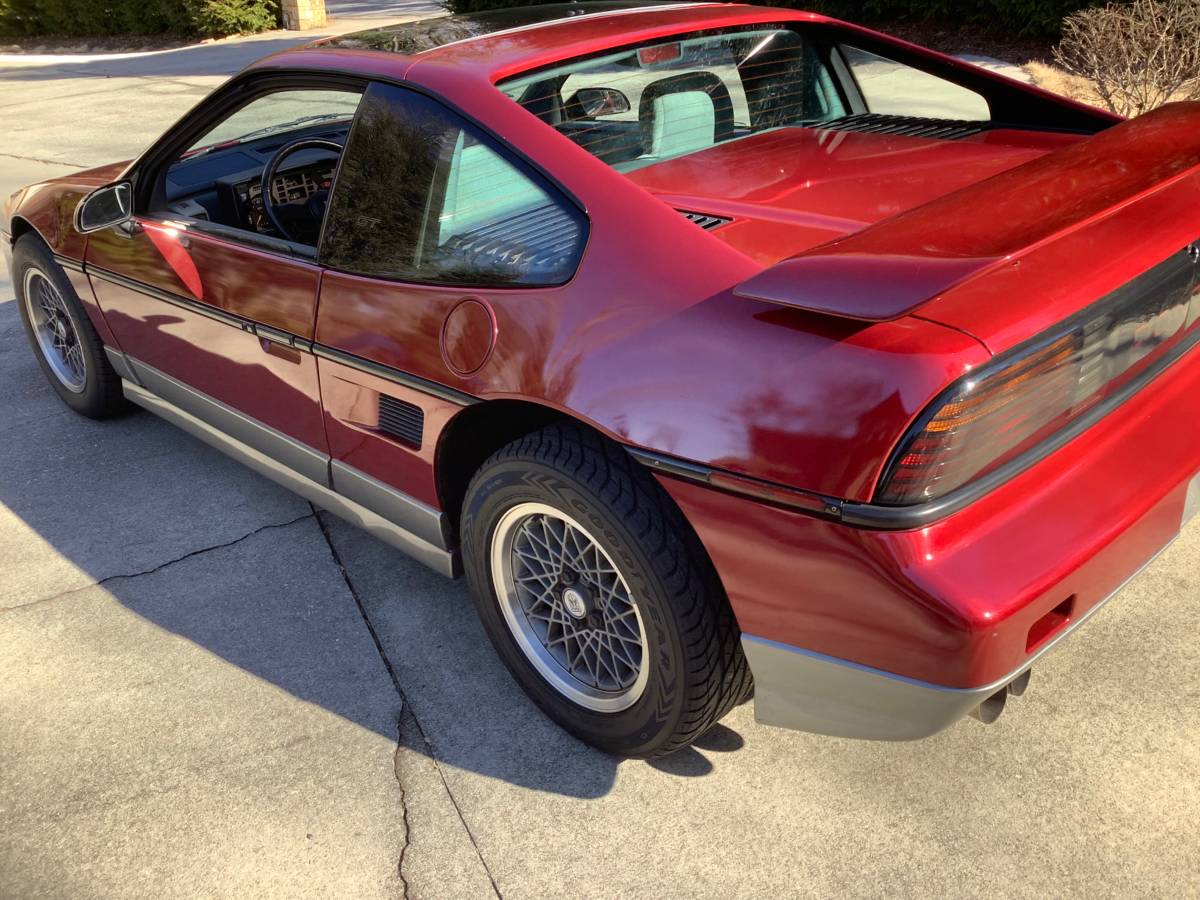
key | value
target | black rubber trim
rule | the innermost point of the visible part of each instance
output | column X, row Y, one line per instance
column 67, row 263
column 879, row 517
column 415, row 382
column 669, row 465
column 689, row 471
column 168, row 297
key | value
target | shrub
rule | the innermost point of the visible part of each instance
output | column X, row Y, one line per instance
column 1137, row 56
column 221, row 17
column 1033, row 17
column 198, row 18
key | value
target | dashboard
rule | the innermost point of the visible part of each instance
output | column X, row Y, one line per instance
column 225, row 185
column 290, row 186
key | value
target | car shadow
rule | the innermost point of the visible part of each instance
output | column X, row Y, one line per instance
column 126, row 496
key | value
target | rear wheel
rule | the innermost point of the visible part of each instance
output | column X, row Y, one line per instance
column 66, row 344
column 598, row 596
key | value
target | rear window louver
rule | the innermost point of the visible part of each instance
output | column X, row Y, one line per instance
column 909, row 126
column 401, row 420
column 704, row 220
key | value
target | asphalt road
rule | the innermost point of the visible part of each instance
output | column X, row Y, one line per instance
column 208, row 690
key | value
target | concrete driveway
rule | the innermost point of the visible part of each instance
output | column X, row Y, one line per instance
column 208, row 690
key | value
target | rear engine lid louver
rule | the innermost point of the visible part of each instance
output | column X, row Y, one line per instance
column 909, row 126
column 704, row 220
column 402, row 420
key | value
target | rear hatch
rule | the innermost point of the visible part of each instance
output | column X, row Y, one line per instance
column 777, row 193
column 1008, row 256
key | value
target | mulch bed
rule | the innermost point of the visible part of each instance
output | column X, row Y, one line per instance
column 954, row 38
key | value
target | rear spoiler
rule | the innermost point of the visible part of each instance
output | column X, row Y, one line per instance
column 893, row 268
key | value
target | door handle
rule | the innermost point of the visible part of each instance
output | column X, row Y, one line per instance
column 281, row 344
column 275, row 336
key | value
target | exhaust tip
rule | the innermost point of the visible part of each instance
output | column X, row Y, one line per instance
column 989, row 710
column 1020, row 684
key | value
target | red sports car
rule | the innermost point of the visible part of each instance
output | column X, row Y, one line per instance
column 722, row 347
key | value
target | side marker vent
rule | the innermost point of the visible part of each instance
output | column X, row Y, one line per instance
column 704, row 220
column 909, row 126
column 402, row 420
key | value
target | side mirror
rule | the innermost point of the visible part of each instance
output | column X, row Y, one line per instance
column 588, row 103
column 104, row 207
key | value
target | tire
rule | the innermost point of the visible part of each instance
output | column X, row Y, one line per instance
column 81, row 375
column 689, row 670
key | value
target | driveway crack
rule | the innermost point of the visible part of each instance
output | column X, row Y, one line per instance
column 189, row 555
column 161, row 566
column 409, row 728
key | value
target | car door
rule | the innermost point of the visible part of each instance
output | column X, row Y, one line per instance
column 433, row 227
column 214, row 313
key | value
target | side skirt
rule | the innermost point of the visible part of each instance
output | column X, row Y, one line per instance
column 440, row 559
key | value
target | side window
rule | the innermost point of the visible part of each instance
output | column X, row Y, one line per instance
column 278, row 113
column 218, row 179
column 893, row 88
column 423, row 196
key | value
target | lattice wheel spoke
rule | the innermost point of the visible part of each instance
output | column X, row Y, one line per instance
column 569, row 607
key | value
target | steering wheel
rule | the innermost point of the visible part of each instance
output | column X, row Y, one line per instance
column 312, row 207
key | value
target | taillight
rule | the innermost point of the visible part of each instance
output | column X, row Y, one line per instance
column 1006, row 408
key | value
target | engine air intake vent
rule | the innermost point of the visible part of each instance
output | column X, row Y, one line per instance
column 704, row 220
column 401, row 420
column 910, row 126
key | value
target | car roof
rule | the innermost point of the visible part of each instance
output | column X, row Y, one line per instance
column 499, row 43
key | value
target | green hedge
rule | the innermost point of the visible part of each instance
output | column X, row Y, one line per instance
column 1035, row 17
column 193, row 18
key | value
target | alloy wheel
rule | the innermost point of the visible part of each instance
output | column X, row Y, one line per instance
column 56, row 335
column 569, row 608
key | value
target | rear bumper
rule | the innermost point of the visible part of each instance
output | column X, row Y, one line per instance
column 796, row 688
column 896, row 634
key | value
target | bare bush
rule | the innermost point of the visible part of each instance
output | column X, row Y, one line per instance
column 1137, row 55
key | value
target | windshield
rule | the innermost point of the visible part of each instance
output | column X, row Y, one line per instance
column 637, row 106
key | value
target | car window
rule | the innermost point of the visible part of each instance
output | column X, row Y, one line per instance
column 892, row 88
column 279, row 113
column 424, row 196
column 638, row 106
column 217, row 180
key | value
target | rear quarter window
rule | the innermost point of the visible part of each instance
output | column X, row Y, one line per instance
column 892, row 88
column 424, row 196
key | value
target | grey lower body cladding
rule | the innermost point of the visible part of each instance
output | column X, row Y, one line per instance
column 390, row 515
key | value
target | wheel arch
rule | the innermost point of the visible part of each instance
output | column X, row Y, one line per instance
column 21, row 226
column 475, row 434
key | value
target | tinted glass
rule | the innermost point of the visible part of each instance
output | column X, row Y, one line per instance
column 638, row 106
column 893, row 88
column 422, row 196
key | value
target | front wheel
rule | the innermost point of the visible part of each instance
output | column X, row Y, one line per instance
column 598, row 596
column 66, row 344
